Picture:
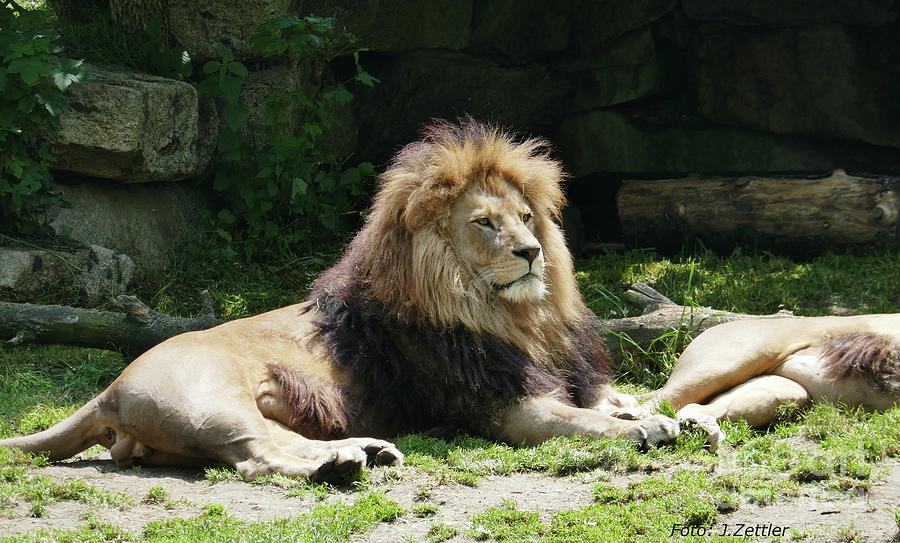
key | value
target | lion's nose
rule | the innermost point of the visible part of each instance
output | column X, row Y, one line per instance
column 528, row 253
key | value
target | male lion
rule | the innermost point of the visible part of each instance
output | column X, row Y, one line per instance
column 749, row 368
column 453, row 309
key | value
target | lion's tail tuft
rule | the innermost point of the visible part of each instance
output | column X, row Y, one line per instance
column 67, row 438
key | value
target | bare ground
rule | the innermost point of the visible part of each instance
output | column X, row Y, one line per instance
column 816, row 515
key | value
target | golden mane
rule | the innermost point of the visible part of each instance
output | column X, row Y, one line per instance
column 402, row 258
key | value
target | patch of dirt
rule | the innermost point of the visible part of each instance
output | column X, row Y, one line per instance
column 456, row 503
column 818, row 514
column 823, row 516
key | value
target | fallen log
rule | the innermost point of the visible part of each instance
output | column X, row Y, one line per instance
column 661, row 316
column 134, row 330
column 801, row 216
column 137, row 327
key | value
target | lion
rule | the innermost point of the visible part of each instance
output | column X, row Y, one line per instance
column 749, row 368
column 453, row 309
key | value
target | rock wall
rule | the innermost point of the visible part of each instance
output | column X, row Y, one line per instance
column 646, row 89
column 642, row 89
column 650, row 86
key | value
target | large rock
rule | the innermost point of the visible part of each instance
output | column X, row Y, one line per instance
column 825, row 81
column 607, row 142
column 628, row 70
column 143, row 221
column 793, row 12
column 198, row 26
column 134, row 128
column 398, row 25
column 94, row 270
column 518, row 31
column 596, row 23
column 422, row 85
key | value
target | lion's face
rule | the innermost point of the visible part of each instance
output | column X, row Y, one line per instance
column 493, row 234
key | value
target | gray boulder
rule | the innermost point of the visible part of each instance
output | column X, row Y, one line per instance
column 134, row 128
column 198, row 26
column 94, row 270
column 597, row 23
column 805, row 81
column 628, row 70
column 604, row 141
column 144, row 221
column 518, row 31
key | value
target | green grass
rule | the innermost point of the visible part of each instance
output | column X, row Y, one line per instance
column 758, row 283
column 441, row 532
column 826, row 448
column 324, row 523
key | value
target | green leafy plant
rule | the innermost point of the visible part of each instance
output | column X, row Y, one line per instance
column 31, row 98
column 278, row 187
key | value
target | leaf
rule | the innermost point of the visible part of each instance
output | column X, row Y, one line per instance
column 340, row 95
column 69, row 72
column 29, row 69
column 231, row 89
column 326, row 183
column 298, row 188
column 367, row 79
column 211, row 66
column 226, row 217
column 365, row 168
column 236, row 115
column 209, row 86
column 328, row 218
column 224, row 52
column 312, row 130
column 350, row 176
column 238, row 69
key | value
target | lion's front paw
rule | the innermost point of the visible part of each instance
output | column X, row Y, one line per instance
column 631, row 413
column 339, row 463
column 383, row 453
column 653, row 431
column 714, row 433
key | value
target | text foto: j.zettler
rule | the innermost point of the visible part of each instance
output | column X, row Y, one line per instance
column 738, row 529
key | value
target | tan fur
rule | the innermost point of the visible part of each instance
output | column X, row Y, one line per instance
column 749, row 368
column 253, row 392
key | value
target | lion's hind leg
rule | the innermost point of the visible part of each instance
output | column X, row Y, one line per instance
column 756, row 401
column 307, row 416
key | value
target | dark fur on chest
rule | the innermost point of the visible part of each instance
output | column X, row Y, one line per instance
column 420, row 378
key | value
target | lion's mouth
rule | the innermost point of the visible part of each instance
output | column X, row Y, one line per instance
column 526, row 277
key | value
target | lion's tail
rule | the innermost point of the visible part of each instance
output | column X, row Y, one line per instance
column 67, row 438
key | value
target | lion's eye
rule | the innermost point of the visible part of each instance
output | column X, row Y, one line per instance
column 483, row 221
column 526, row 218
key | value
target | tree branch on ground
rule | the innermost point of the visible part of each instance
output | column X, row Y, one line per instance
column 660, row 317
column 134, row 330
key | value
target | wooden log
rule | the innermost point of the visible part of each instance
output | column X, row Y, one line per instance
column 792, row 215
column 134, row 330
